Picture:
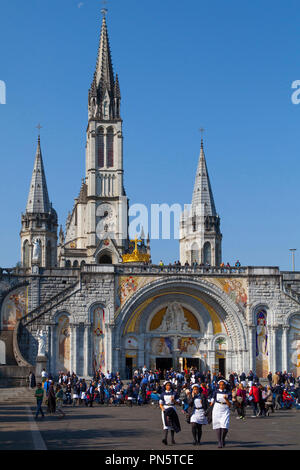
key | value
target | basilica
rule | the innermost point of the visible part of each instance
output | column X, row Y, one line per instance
column 85, row 297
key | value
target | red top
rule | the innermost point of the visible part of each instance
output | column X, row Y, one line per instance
column 255, row 392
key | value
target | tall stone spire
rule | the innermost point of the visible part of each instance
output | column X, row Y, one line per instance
column 38, row 198
column 202, row 194
column 104, row 94
column 97, row 227
column 104, row 74
column 39, row 223
column 200, row 236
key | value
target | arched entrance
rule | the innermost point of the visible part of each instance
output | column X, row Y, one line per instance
column 180, row 321
column 105, row 259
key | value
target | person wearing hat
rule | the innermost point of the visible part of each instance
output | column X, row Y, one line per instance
column 197, row 402
column 170, row 419
column 221, row 412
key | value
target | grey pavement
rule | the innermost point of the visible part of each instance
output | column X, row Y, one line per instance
column 137, row 428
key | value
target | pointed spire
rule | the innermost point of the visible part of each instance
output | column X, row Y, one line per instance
column 104, row 75
column 38, row 198
column 202, row 196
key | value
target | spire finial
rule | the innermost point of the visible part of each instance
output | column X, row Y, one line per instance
column 201, row 130
column 104, row 9
column 39, row 127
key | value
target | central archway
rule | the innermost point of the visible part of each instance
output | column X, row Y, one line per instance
column 215, row 312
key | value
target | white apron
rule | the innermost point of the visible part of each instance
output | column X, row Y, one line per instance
column 168, row 400
column 221, row 413
column 198, row 416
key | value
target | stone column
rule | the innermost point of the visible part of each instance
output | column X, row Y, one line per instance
column 52, row 349
column 109, row 347
column 272, row 348
column 252, row 351
column 284, row 358
column 74, row 342
column 141, row 351
column 211, row 359
column 228, row 362
column 87, row 350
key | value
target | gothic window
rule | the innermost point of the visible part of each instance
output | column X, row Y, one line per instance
column 194, row 223
column 110, row 147
column 48, row 255
column 26, row 254
column 195, row 254
column 207, row 253
column 100, row 147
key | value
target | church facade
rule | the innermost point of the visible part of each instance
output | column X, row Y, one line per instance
column 85, row 299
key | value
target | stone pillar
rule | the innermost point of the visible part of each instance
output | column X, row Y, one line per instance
column 252, row 351
column 52, row 348
column 74, row 342
column 272, row 348
column 228, row 363
column 284, row 358
column 141, row 351
column 41, row 363
column 109, row 347
column 211, row 359
column 87, row 350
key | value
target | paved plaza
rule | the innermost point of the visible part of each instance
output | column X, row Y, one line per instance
column 137, row 428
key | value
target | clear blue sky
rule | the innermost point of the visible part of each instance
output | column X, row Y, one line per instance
column 226, row 66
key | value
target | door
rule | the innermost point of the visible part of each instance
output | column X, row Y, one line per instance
column 192, row 362
column 128, row 367
column 222, row 366
column 164, row 363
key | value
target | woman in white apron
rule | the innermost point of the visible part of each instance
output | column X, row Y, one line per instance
column 221, row 412
column 197, row 407
column 167, row 400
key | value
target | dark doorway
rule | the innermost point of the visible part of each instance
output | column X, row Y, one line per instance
column 164, row 363
column 105, row 259
column 192, row 362
column 222, row 366
column 128, row 368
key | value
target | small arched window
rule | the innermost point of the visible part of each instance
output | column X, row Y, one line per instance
column 207, row 253
column 48, row 255
column 26, row 254
column 110, row 147
column 100, row 147
column 195, row 253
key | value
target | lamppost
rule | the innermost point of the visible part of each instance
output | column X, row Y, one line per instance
column 293, row 255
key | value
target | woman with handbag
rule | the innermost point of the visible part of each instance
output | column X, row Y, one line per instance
column 241, row 401
column 221, row 412
column 198, row 405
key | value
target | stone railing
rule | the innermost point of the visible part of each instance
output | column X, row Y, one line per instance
column 135, row 268
column 16, row 271
column 17, row 353
column 49, row 304
column 289, row 291
column 198, row 270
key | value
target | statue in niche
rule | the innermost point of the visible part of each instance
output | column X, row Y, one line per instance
column 42, row 343
column 174, row 319
column 36, row 255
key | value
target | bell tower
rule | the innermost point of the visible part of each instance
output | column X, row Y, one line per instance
column 200, row 235
column 39, row 223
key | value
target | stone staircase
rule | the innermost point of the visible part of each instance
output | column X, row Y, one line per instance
column 18, row 395
column 49, row 304
column 291, row 293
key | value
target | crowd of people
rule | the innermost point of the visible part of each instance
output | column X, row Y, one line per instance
column 194, row 264
column 202, row 397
